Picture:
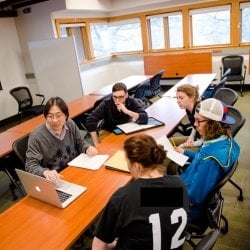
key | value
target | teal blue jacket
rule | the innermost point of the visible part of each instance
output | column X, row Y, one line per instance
column 207, row 167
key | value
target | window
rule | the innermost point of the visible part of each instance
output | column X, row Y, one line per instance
column 126, row 35
column 166, row 31
column 157, row 33
column 210, row 26
column 100, row 39
column 245, row 22
column 116, row 37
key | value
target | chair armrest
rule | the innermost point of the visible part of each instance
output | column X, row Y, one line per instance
column 42, row 96
column 220, row 72
column 245, row 69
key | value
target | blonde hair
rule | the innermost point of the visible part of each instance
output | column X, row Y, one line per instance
column 190, row 91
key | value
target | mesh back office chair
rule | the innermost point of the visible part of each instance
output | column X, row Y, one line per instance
column 153, row 86
column 25, row 102
column 235, row 63
column 235, row 128
column 213, row 212
column 226, row 95
column 140, row 93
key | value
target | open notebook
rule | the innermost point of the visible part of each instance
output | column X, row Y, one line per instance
column 117, row 162
column 90, row 162
column 131, row 127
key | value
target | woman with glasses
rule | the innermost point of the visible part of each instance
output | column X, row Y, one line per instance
column 120, row 108
column 56, row 142
column 214, row 158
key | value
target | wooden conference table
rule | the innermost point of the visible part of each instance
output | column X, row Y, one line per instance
column 33, row 224
column 130, row 81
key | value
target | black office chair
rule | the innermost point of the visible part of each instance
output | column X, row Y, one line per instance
column 140, row 93
column 213, row 212
column 235, row 63
column 7, row 166
column 226, row 95
column 25, row 102
column 153, row 86
column 235, row 128
column 19, row 147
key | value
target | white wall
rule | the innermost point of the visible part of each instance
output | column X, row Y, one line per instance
column 97, row 75
column 12, row 72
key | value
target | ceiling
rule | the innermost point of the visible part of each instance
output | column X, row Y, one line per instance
column 8, row 7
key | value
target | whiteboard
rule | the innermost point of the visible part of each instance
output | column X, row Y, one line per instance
column 56, row 68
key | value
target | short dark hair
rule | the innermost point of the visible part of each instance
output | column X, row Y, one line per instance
column 119, row 86
column 56, row 101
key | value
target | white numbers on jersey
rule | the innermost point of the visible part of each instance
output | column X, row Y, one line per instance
column 177, row 216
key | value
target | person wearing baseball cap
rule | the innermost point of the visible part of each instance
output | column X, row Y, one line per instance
column 214, row 158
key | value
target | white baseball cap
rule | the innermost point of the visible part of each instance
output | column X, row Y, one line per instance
column 216, row 110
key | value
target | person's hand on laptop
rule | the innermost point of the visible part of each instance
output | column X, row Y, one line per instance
column 52, row 175
column 91, row 151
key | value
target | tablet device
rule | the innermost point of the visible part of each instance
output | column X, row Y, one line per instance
column 131, row 127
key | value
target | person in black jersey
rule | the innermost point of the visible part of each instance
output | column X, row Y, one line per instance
column 148, row 213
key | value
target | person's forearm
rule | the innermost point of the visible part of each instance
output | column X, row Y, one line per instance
column 98, row 244
column 94, row 138
column 134, row 115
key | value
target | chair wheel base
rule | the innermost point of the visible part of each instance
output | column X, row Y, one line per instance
column 224, row 230
column 240, row 198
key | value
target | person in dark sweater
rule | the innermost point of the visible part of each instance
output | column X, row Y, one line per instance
column 118, row 109
column 56, row 142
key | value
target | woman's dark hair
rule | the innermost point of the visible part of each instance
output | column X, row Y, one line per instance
column 143, row 149
column 119, row 86
column 56, row 101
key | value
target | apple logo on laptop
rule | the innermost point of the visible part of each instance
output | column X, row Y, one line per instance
column 38, row 189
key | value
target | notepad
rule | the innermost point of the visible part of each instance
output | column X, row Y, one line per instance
column 173, row 155
column 131, row 127
column 117, row 162
column 89, row 162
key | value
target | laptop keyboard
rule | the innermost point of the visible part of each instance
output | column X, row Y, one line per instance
column 62, row 195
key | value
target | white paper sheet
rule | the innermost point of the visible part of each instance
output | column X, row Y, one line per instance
column 89, row 162
column 173, row 155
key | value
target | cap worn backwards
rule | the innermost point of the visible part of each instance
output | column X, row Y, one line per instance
column 216, row 110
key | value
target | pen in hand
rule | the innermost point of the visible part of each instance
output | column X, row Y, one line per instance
column 173, row 143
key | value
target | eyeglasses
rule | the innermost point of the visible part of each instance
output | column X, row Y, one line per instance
column 57, row 116
column 119, row 97
column 199, row 121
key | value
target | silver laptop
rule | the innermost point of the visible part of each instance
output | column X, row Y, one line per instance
column 60, row 194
